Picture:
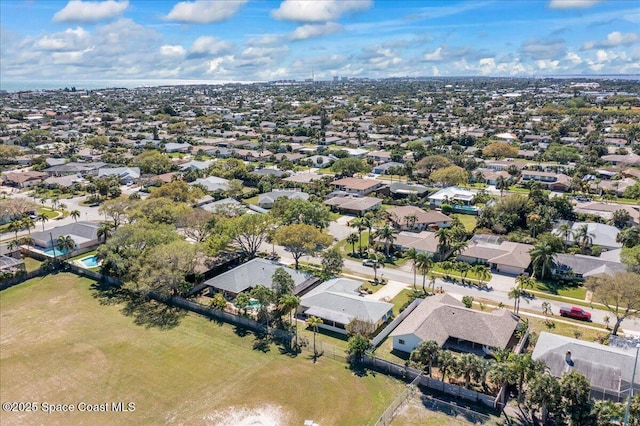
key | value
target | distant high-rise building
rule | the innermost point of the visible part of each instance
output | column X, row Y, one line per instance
column 336, row 78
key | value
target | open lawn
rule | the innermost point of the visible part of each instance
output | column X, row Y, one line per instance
column 64, row 341
column 31, row 264
column 469, row 221
column 576, row 292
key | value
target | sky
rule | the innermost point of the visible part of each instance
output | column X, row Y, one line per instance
column 265, row 40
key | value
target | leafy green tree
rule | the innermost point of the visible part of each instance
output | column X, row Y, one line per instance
column 500, row 150
column 467, row 301
column 165, row 267
column 152, row 162
column 332, row 262
column 302, row 240
column 621, row 219
column 197, row 224
column 291, row 212
column 619, row 293
column 629, row 237
column 282, row 283
column 357, row 347
column 242, row 302
column 444, row 237
column 448, row 176
column 218, row 302
column 249, row 231
column 265, row 297
column 349, row 166
column 178, row 191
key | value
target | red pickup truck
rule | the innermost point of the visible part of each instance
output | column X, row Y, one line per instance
column 576, row 313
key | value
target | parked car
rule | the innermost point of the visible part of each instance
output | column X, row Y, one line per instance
column 369, row 262
column 575, row 312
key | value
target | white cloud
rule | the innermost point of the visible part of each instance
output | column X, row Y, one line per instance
column 204, row 11
column 572, row 4
column 90, row 11
column 487, row 65
column 573, row 58
column 435, row 56
column 547, row 64
column 543, row 48
column 305, row 32
column 613, row 39
column 209, row 46
column 318, row 10
column 71, row 39
column 172, row 50
column 265, row 40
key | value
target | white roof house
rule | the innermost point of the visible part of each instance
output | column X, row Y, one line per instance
column 338, row 302
column 451, row 193
column 212, row 183
column 601, row 235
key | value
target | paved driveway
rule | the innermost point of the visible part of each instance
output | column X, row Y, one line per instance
column 501, row 282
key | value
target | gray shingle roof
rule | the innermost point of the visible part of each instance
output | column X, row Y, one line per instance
column 256, row 272
column 442, row 316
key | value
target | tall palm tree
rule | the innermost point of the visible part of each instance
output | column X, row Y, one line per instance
column 369, row 220
column 501, row 184
column 287, row 303
column 388, row 235
column 314, row 322
column 352, row 239
column 482, row 272
column 425, row 354
column 66, row 244
column 468, row 366
column 358, row 223
column 542, row 258
column 516, row 293
column 583, row 237
column 565, row 230
column 378, row 262
column 424, row 262
column 446, row 362
column 43, row 218
column 412, row 254
column 28, row 223
column 75, row 214
column 444, row 242
column 15, row 226
column 105, row 231
column 410, row 220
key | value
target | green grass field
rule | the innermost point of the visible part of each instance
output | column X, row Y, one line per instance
column 65, row 342
column 469, row 221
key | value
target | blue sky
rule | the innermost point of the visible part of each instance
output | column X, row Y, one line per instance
column 264, row 40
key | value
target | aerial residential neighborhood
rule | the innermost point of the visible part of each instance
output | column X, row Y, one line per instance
column 320, row 212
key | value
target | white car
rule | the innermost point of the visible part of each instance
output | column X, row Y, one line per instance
column 369, row 262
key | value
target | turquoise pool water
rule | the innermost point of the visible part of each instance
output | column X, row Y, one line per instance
column 89, row 261
column 254, row 304
column 55, row 252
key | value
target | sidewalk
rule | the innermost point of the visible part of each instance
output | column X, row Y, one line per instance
column 388, row 291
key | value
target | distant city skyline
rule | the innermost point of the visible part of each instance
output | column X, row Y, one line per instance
column 227, row 41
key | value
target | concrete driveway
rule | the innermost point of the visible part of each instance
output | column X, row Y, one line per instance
column 501, row 282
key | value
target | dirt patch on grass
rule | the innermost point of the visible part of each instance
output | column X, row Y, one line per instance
column 266, row 415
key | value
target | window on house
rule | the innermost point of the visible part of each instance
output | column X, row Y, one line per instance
column 401, row 341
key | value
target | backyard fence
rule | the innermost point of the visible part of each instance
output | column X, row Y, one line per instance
column 392, row 410
column 393, row 324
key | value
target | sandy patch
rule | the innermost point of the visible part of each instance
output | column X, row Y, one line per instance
column 266, row 415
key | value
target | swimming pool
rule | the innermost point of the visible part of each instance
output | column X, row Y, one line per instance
column 254, row 304
column 89, row 261
column 55, row 252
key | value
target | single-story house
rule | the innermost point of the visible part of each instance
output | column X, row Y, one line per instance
column 127, row 175
column 411, row 218
column 580, row 266
column 605, row 210
column 601, row 235
column 608, row 368
column 357, row 186
column 177, row 147
column 24, row 179
column 631, row 159
column 403, row 189
column 549, row 180
column 11, row 264
column 196, row 165
column 386, row 168
column 73, row 168
column 212, row 183
column 84, row 233
column 267, row 199
column 445, row 320
column 502, row 256
column 422, row 242
column 228, row 207
column 446, row 195
column 338, row 302
column 321, row 161
column 354, row 205
column 256, row 272
column 63, row 181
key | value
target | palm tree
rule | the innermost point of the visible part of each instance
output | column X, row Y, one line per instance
column 28, row 223
column 358, row 223
column 65, row 244
column 464, row 269
column 412, row 254
column 501, row 184
column 524, row 282
column 410, row 220
column 314, row 322
column 542, row 258
column 104, row 231
column 352, row 239
column 75, row 214
column 15, row 226
column 378, row 262
column 388, row 235
column 287, row 303
column 482, row 272
column 444, row 242
column 424, row 262
column 583, row 237
column 43, row 218
column 468, row 366
column 446, row 362
column 516, row 293
column 425, row 354
column 368, row 221
column 565, row 229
